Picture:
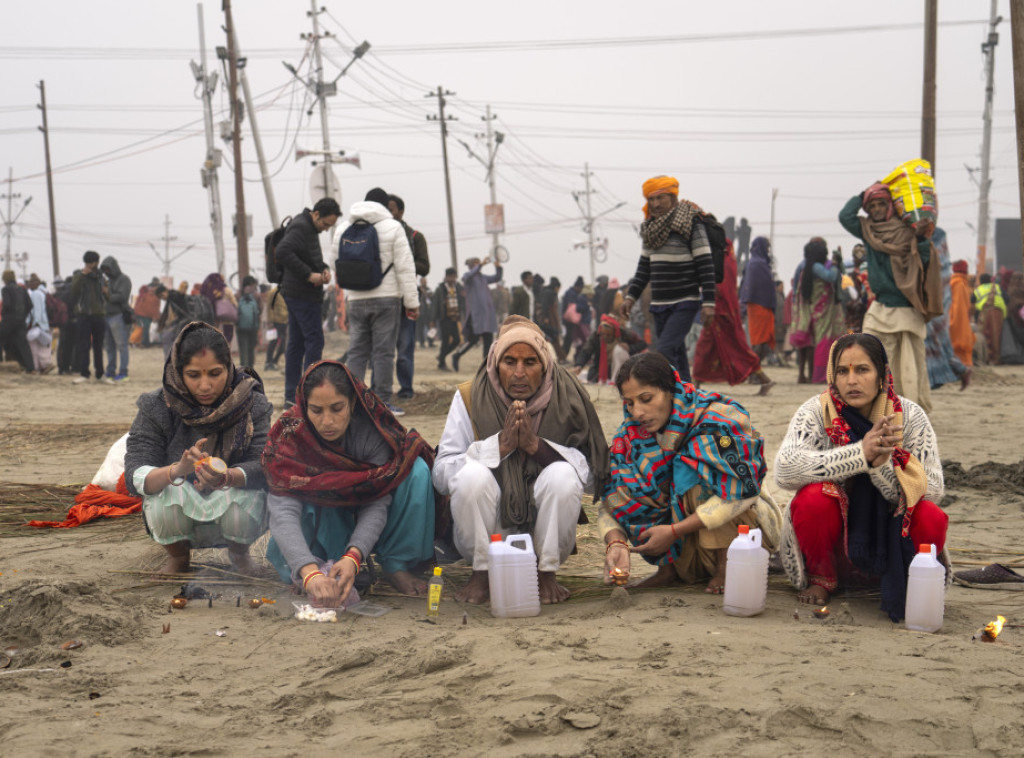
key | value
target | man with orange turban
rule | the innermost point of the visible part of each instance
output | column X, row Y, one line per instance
column 676, row 261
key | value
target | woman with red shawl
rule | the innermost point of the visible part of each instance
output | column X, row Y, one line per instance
column 346, row 479
column 723, row 354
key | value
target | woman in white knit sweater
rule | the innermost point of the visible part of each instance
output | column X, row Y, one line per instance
column 865, row 464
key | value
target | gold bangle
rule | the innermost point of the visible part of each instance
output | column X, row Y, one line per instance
column 310, row 575
column 177, row 482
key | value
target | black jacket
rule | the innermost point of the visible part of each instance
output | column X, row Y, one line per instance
column 299, row 254
column 440, row 303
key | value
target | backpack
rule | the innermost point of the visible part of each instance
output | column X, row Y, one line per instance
column 56, row 311
column 718, row 242
column 273, row 269
column 248, row 313
column 358, row 264
column 197, row 308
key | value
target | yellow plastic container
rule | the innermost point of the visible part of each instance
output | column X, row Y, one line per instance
column 912, row 187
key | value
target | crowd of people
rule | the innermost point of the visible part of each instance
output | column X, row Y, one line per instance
column 337, row 479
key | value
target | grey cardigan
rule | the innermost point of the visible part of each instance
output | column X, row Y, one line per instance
column 159, row 437
column 362, row 442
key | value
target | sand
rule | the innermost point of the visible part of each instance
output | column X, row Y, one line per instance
column 609, row 673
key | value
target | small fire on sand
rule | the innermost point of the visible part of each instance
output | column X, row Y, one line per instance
column 991, row 630
column 821, row 613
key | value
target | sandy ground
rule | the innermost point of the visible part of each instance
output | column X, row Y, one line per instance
column 606, row 674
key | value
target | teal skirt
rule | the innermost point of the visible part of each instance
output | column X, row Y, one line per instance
column 407, row 539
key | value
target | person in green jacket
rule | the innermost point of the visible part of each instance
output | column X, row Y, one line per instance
column 907, row 289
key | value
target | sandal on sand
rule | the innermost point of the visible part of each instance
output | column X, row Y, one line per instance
column 994, row 573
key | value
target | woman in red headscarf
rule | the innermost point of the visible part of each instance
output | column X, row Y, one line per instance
column 607, row 349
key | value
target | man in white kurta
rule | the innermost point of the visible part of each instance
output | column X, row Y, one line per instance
column 519, row 372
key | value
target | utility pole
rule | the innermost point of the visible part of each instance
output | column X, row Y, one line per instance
column 493, row 142
column 330, row 183
column 49, row 181
column 588, row 222
column 208, row 173
column 443, row 120
column 9, row 220
column 771, row 231
column 166, row 259
column 268, row 189
column 931, row 34
column 988, row 48
column 1017, row 43
column 241, row 225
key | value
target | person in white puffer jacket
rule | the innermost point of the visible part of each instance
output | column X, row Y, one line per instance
column 373, row 315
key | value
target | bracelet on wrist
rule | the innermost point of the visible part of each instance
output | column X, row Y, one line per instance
column 310, row 575
column 672, row 526
column 353, row 559
column 615, row 542
column 177, row 481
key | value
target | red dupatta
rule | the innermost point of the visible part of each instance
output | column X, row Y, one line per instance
column 299, row 463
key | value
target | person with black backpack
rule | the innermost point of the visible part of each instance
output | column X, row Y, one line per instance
column 303, row 278
column 677, row 260
column 375, row 266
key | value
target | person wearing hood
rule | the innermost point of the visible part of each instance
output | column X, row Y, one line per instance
column 40, row 335
column 89, row 306
column 119, row 316
column 302, row 284
column 373, row 315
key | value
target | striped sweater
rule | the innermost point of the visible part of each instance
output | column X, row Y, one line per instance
column 679, row 271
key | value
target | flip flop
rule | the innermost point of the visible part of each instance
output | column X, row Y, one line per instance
column 994, row 573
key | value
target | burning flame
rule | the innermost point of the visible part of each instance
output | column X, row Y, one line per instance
column 993, row 628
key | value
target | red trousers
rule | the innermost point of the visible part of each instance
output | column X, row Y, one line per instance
column 821, row 531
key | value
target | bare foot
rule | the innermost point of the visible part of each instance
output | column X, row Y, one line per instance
column 178, row 554
column 815, row 594
column 665, row 576
column 550, row 590
column 717, row 584
column 240, row 560
column 766, row 388
column 476, row 591
column 406, row 583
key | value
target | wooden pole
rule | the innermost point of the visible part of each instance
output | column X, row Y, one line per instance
column 931, row 14
column 241, row 224
column 1017, row 32
column 55, row 259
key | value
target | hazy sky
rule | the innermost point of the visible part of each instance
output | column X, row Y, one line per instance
column 815, row 99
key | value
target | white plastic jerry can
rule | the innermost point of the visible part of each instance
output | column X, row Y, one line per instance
column 512, row 575
column 926, row 591
column 746, row 574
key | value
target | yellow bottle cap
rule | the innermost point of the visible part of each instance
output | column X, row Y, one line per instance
column 437, row 571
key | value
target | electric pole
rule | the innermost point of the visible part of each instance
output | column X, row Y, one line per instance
column 1017, row 43
column 931, row 16
column 443, row 121
column 588, row 222
column 988, row 48
column 771, row 231
column 208, row 173
column 9, row 220
column 493, row 142
column 166, row 259
column 241, row 222
column 49, row 181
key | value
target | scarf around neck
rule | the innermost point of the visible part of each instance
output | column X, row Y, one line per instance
column 299, row 463
column 922, row 287
column 228, row 422
column 708, row 441
column 561, row 412
column 655, row 231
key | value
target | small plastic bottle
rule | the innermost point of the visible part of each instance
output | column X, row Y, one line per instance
column 926, row 591
column 434, row 592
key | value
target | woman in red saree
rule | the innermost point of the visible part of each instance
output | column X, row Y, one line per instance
column 723, row 353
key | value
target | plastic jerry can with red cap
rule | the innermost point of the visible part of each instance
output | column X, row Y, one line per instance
column 746, row 574
column 926, row 591
column 512, row 575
